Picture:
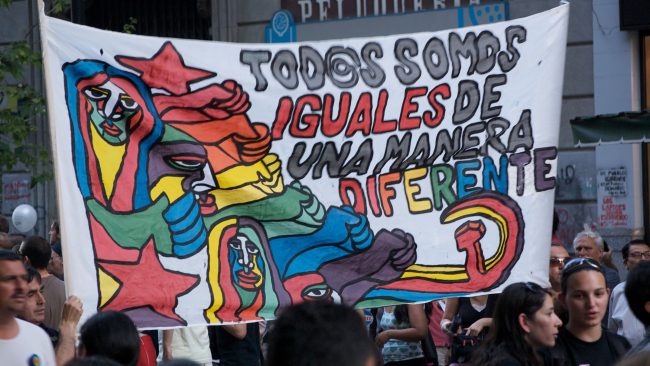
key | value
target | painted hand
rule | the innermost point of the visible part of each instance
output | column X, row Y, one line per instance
column 186, row 225
column 395, row 251
column 271, row 181
column 312, row 210
column 358, row 228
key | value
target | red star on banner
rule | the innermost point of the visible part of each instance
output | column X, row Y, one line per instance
column 166, row 70
column 145, row 280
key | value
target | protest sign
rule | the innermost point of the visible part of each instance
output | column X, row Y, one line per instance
column 207, row 182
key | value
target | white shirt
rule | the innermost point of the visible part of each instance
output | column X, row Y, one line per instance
column 621, row 319
column 192, row 343
column 30, row 347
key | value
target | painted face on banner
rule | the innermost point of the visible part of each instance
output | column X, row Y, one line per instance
column 310, row 287
column 245, row 259
column 110, row 110
column 178, row 167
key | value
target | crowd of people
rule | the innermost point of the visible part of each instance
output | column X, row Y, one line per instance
column 586, row 317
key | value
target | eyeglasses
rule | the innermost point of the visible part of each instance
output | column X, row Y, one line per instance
column 559, row 261
column 577, row 264
column 533, row 287
column 637, row 255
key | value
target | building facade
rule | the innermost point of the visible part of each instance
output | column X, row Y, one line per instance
column 604, row 73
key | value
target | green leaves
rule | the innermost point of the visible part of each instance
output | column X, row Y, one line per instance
column 130, row 26
column 60, row 6
column 15, row 57
column 20, row 107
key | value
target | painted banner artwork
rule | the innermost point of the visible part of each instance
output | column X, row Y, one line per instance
column 206, row 182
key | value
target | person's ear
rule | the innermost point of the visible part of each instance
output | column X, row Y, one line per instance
column 522, row 319
column 609, row 291
column 647, row 307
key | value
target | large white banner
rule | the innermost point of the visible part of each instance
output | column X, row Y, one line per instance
column 218, row 182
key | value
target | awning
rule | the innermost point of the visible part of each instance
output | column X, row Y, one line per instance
column 625, row 127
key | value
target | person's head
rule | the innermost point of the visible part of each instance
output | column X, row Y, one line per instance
column 34, row 309
column 5, row 241
column 55, row 266
column 179, row 362
column 523, row 321
column 584, row 292
column 54, row 233
column 588, row 244
column 4, row 225
column 524, row 312
column 37, row 251
column 637, row 291
column 13, row 282
column 92, row 361
column 331, row 333
column 110, row 334
column 559, row 256
column 635, row 252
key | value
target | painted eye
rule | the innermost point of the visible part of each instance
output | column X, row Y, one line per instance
column 96, row 93
column 252, row 249
column 319, row 292
column 128, row 103
column 235, row 244
column 186, row 162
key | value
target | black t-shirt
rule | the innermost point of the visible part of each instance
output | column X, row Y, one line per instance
column 602, row 352
column 469, row 315
column 52, row 333
column 235, row 352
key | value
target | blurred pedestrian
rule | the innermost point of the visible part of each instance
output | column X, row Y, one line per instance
column 20, row 342
column 37, row 252
column 402, row 329
column 584, row 341
column 621, row 319
column 559, row 257
column 589, row 244
column 637, row 292
column 524, row 322
column 317, row 333
column 55, row 266
column 110, row 334
column 190, row 343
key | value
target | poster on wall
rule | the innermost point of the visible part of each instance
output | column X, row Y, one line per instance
column 612, row 197
column 207, row 182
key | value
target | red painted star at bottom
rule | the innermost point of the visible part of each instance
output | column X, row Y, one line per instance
column 145, row 283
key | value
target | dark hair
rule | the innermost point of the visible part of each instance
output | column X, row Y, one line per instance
column 576, row 265
column 318, row 333
column 625, row 251
column 113, row 335
column 401, row 313
column 37, row 250
column 506, row 338
column 33, row 274
column 92, row 361
column 4, row 225
column 9, row 255
column 180, row 362
column 637, row 291
column 55, row 225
